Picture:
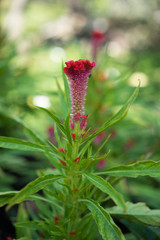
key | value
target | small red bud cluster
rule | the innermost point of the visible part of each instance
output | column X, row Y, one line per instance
column 82, row 120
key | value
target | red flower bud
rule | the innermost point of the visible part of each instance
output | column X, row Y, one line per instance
column 64, row 164
column 76, row 160
column 83, row 123
column 73, row 136
column 71, row 124
column 62, row 150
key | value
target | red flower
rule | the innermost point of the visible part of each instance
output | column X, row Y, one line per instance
column 97, row 38
column 98, row 35
column 76, row 160
column 78, row 73
column 62, row 150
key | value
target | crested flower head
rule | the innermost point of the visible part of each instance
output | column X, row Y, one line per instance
column 78, row 73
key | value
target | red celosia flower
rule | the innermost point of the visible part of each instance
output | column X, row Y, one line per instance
column 73, row 233
column 76, row 160
column 9, row 238
column 62, row 150
column 64, row 164
column 97, row 38
column 56, row 219
column 78, row 73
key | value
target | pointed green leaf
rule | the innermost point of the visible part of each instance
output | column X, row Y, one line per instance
column 54, row 117
column 105, row 187
column 117, row 117
column 142, row 168
column 32, row 188
column 107, row 228
column 66, row 87
column 5, row 197
column 139, row 212
column 22, row 215
column 67, row 128
column 13, row 143
column 63, row 101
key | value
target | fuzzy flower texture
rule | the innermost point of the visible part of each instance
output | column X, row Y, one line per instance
column 78, row 73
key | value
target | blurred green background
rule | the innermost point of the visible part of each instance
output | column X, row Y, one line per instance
column 37, row 35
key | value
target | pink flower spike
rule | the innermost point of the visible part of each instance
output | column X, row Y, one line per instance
column 72, row 124
column 62, row 150
column 83, row 123
column 76, row 160
column 64, row 164
column 78, row 73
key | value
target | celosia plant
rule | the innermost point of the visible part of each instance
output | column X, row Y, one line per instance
column 76, row 202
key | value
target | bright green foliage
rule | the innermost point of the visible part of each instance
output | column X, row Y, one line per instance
column 32, row 188
column 137, row 212
column 142, row 168
column 106, row 226
column 107, row 188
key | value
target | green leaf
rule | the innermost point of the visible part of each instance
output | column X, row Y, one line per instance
column 29, row 224
column 117, row 117
column 85, row 148
column 97, row 160
column 5, row 197
column 137, row 212
column 13, row 143
column 32, row 188
column 105, row 187
column 66, row 87
column 68, row 129
column 63, row 101
column 103, row 144
column 107, row 228
column 22, row 215
column 142, row 168
column 54, row 118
